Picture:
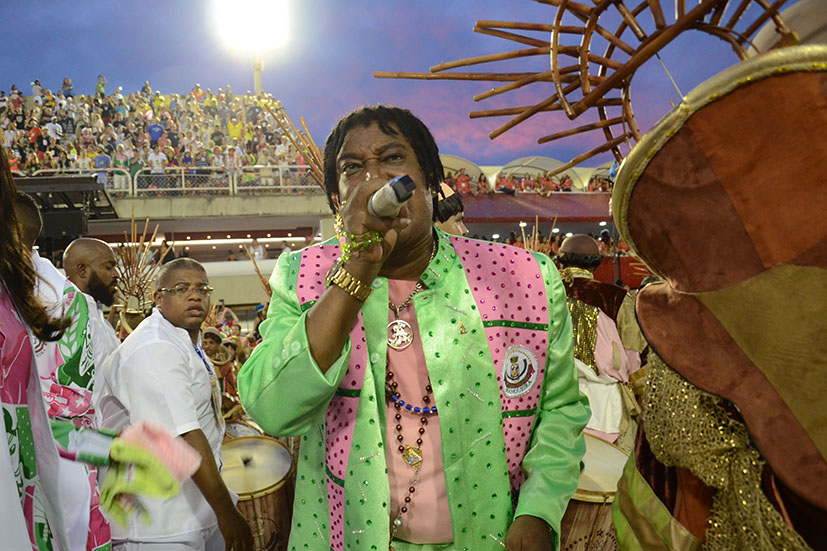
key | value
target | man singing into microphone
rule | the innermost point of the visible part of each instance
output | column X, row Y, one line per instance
column 430, row 376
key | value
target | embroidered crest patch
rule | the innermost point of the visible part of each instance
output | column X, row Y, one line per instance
column 519, row 371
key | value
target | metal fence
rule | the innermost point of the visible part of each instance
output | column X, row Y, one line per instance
column 178, row 181
column 275, row 179
column 197, row 181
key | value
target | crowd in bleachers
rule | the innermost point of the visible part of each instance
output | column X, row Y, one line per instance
column 511, row 182
column 201, row 130
column 203, row 133
column 599, row 183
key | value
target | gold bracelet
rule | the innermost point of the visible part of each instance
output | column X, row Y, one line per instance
column 346, row 281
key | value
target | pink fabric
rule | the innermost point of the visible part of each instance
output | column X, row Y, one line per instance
column 609, row 437
column 428, row 519
column 341, row 414
column 494, row 270
column 607, row 335
column 99, row 533
column 178, row 456
column 34, row 457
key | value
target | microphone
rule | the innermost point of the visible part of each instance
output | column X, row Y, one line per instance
column 387, row 201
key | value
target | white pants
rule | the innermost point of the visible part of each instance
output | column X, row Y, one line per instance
column 203, row 540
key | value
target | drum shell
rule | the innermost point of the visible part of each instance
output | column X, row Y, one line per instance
column 245, row 426
column 587, row 523
column 269, row 517
column 269, row 510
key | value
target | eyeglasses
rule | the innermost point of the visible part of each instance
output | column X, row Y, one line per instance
column 183, row 289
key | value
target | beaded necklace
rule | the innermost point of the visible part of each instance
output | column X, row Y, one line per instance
column 411, row 455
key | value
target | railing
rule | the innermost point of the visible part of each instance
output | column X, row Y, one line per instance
column 116, row 180
column 200, row 181
column 197, row 181
column 177, row 181
column 272, row 179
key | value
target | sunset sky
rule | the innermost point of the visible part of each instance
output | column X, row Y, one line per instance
column 325, row 68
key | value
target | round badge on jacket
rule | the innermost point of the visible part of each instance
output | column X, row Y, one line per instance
column 519, row 371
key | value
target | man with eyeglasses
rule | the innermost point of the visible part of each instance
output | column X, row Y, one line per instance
column 161, row 374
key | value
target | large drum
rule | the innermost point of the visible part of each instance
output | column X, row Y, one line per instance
column 587, row 524
column 258, row 469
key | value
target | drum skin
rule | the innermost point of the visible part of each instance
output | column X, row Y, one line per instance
column 260, row 470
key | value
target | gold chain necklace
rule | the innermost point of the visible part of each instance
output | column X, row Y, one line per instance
column 400, row 332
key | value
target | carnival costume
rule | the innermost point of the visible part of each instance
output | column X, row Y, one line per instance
column 496, row 336
column 67, row 372
column 603, row 363
column 718, row 198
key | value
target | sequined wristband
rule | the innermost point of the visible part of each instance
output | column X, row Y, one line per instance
column 354, row 243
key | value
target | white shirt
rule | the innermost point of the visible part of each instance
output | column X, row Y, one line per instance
column 157, row 162
column 157, row 375
column 104, row 342
column 54, row 130
column 48, row 288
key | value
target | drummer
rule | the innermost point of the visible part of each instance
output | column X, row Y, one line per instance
column 403, row 423
column 603, row 362
column 161, row 374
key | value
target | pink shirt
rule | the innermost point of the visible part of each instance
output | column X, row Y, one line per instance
column 428, row 519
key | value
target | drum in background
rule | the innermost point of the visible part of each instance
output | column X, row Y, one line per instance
column 587, row 524
column 258, row 469
column 237, row 428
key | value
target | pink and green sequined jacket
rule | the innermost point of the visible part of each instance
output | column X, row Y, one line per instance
column 496, row 334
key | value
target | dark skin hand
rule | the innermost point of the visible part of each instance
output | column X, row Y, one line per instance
column 528, row 533
column 233, row 526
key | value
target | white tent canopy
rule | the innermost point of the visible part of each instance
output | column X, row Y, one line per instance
column 452, row 163
column 525, row 166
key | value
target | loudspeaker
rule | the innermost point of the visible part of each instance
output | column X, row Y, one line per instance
column 65, row 224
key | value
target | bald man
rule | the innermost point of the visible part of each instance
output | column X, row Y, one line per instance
column 90, row 264
column 68, row 375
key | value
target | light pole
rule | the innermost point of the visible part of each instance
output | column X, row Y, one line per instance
column 253, row 27
column 258, row 66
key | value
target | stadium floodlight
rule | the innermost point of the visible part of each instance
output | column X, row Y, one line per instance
column 252, row 26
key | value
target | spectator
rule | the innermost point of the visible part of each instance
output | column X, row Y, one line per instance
column 169, row 255
column 258, row 250
column 67, row 88
column 102, row 160
column 156, row 161
column 155, row 132
column 100, row 86
column 37, row 90
column 482, row 184
column 120, row 161
column 462, row 182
